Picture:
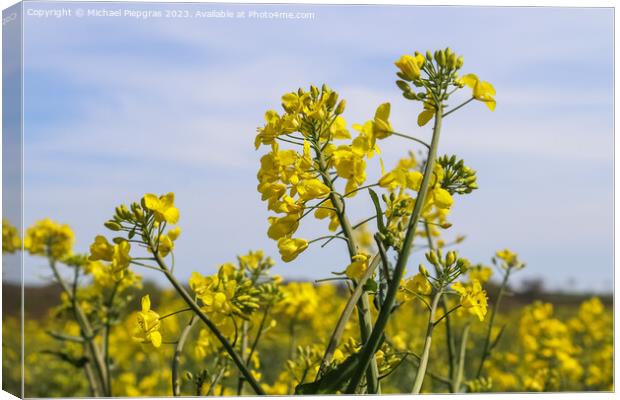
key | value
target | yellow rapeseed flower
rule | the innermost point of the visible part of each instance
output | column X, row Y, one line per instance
column 473, row 298
column 290, row 248
column 48, row 238
column 163, row 207
column 410, row 66
column 358, row 267
column 482, row 91
column 147, row 330
column 11, row 241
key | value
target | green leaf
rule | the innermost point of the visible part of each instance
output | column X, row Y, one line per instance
column 375, row 200
column 371, row 286
column 333, row 380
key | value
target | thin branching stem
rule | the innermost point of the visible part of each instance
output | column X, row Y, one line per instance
column 372, row 345
column 176, row 379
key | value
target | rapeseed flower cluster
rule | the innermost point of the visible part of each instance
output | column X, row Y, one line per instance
column 48, row 238
column 11, row 241
column 242, row 328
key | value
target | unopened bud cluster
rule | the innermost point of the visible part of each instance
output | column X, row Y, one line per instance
column 458, row 178
column 434, row 71
column 450, row 267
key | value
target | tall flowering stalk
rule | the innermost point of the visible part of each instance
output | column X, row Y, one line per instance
column 297, row 183
column 234, row 292
column 54, row 241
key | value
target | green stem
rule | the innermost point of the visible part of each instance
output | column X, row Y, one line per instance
column 487, row 339
column 244, row 346
column 175, row 313
column 421, row 373
column 363, row 305
column 456, row 387
column 176, row 379
column 106, row 336
column 457, row 107
column 189, row 300
column 447, row 314
column 444, row 305
column 354, row 227
column 371, row 346
column 85, row 328
column 345, row 316
column 411, row 138
column 261, row 328
column 90, row 377
column 62, row 336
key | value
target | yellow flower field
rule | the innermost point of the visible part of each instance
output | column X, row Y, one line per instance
column 408, row 313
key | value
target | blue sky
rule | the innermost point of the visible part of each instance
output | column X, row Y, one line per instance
column 117, row 107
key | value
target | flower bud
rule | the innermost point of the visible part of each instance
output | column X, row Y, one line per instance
column 442, row 58
column 459, row 62
column 423, row 270
column 341, row 106
column 125, row 213
column 332, row 99
column 463, row 265
column 431, row 256
column 314, row 91
column 112, row 225
column 404, row 86
column 450, row 258
column 452, row 61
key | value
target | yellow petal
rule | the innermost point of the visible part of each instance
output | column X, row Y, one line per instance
column 425, row 116
column 172, row 215
column 491, row 104
column 151, row 201
column 383, row 112
column 146, row 303
column 156, row 339
column 470, row 80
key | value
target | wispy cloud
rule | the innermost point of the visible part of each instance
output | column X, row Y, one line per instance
column 164, row 105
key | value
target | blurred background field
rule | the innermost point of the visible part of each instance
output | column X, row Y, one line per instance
column 574, row 345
